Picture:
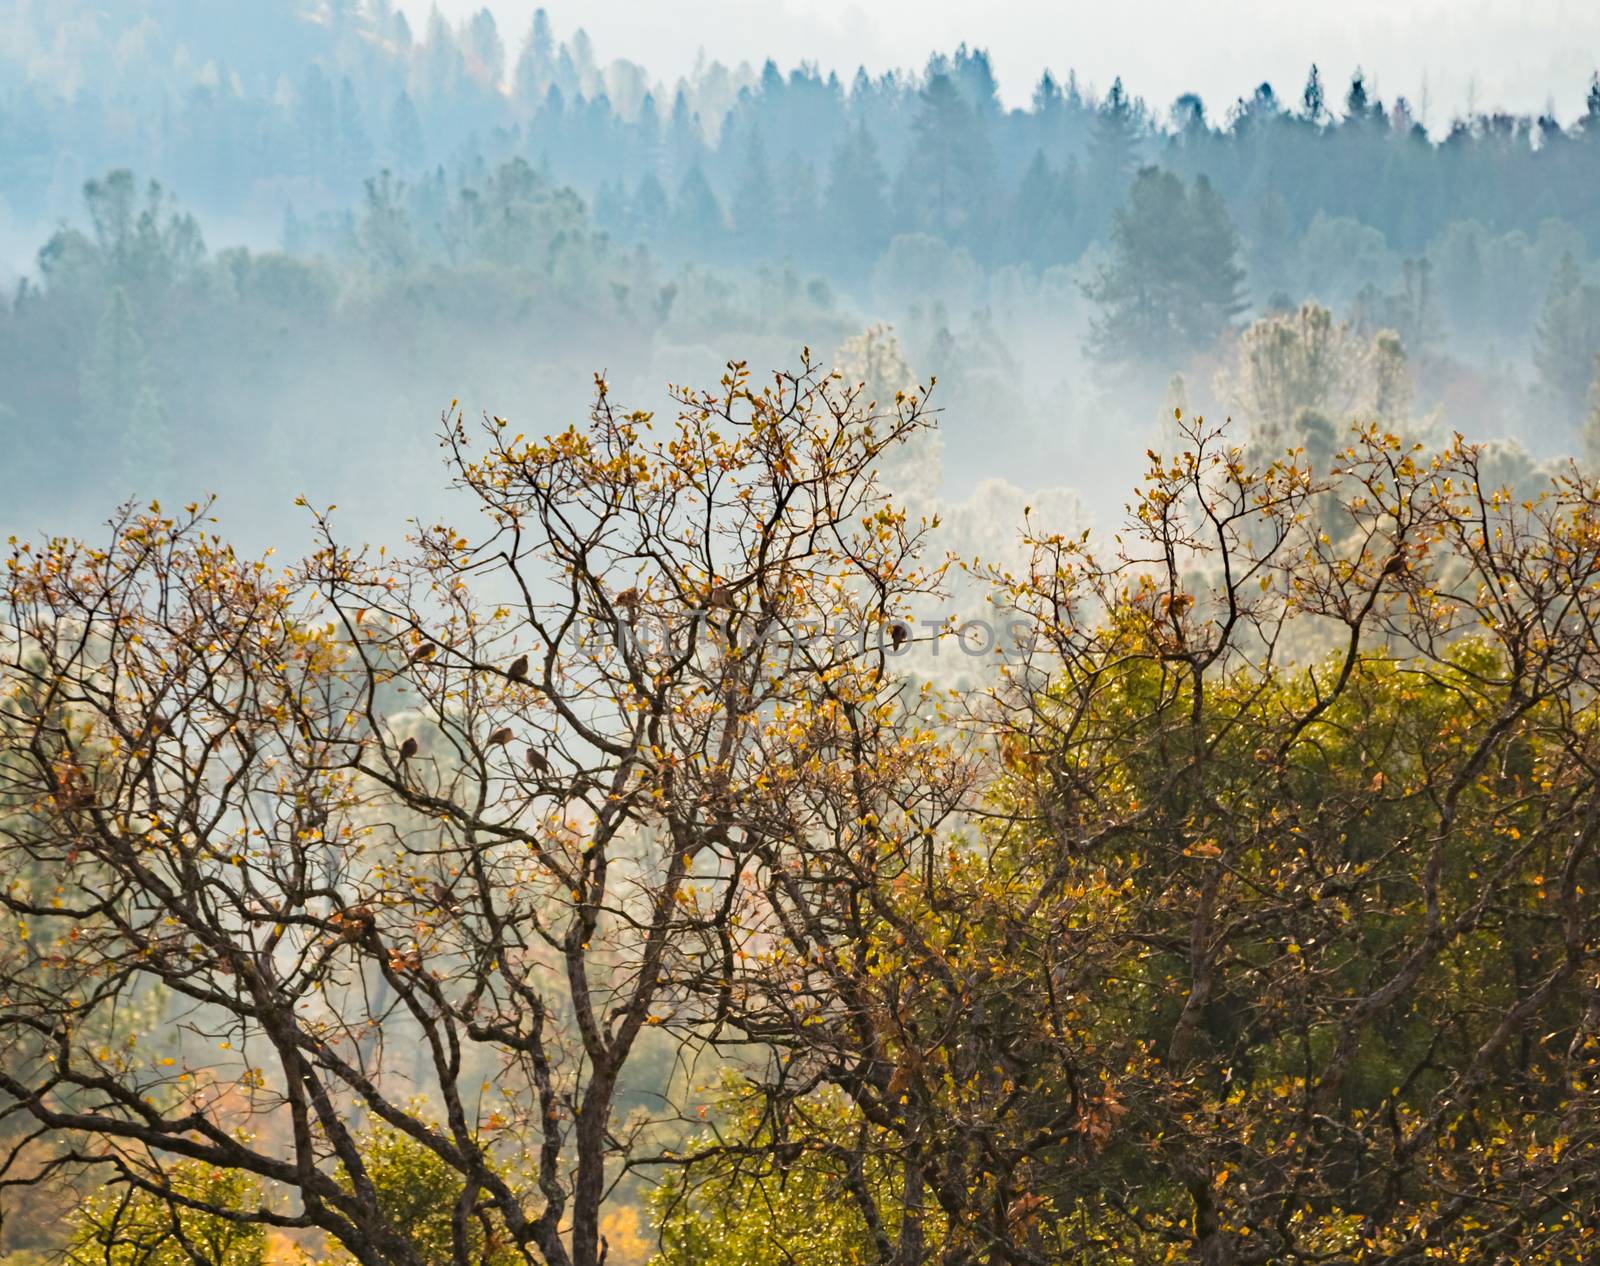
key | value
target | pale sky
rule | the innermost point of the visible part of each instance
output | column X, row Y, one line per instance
column 1519, row 55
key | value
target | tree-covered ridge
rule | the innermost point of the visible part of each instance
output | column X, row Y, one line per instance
column 486, row 206
column 304, row 101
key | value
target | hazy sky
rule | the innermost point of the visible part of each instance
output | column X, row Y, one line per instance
column 1513, row 53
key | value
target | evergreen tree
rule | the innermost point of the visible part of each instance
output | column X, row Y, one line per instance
column 385, row 236
column 582, row 58
column 1359, row 106
column 856, row 209
column 650, row 206
column 1313, row 101
column 1046, row 95
column 405, row 148
column 799, row 207
column 647, row 133
column 684, row 145
column 975, row 77
column 442, row 63
column 1189, row 119
column 1215, row 281
column 1042, row 228
column 1271, row 240
column 754, row 207
column 696, row 215
column 1113, row 151
column 485, row 53
column 535, row 64
column 611, row 206
column 355, row 147
column 400, row 33
column 948, row 166
column 317, row 122
column 1173, row 283
column 550, row 124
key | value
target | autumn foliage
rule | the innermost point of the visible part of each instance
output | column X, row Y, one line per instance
column 1243, row 913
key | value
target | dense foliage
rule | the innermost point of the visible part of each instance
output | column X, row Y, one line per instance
column 753, row 826
column 798, row 162
column 1246, row 915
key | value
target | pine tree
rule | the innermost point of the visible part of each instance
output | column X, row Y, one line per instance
column 611, row 206
column 355, row 147
column 1189, row 118
column 317, row 122
column 1113, row 152
column 647, row 133
column 1046, row 95
column 1271, row 239
column 535, row 65
column 485, row 53
column 442, row 63
column 948, row 166
column 684, row 145
column 754, row 207
column 405, row 149
column 856, row 209
column 1042, row 216
column 696, row 215
column 1215, row 290
column 1313, row 101
column 384, row 234
column 649, row 206
column 1360, row 107
column 799, row 207
column 972, row 71
column 1173, row 282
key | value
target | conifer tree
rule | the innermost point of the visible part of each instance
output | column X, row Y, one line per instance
column 405, row 147
column 754, row 206
column 856, row 209
column 649, row 206
column 1173, row 283
column 1313, row 100
column 696, row 215
column 532, row 76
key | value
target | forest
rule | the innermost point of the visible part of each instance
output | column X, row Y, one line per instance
column 292, row 210
column 785, row 666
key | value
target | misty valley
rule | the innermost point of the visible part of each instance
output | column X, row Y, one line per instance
column 788, row 663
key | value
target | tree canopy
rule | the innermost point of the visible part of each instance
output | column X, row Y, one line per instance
column 1245, row 913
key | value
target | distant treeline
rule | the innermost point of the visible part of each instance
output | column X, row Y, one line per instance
column 446, row 216
column 296, row 104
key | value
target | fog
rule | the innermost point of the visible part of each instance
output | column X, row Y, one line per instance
column 259, row 257
column 273, row 253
